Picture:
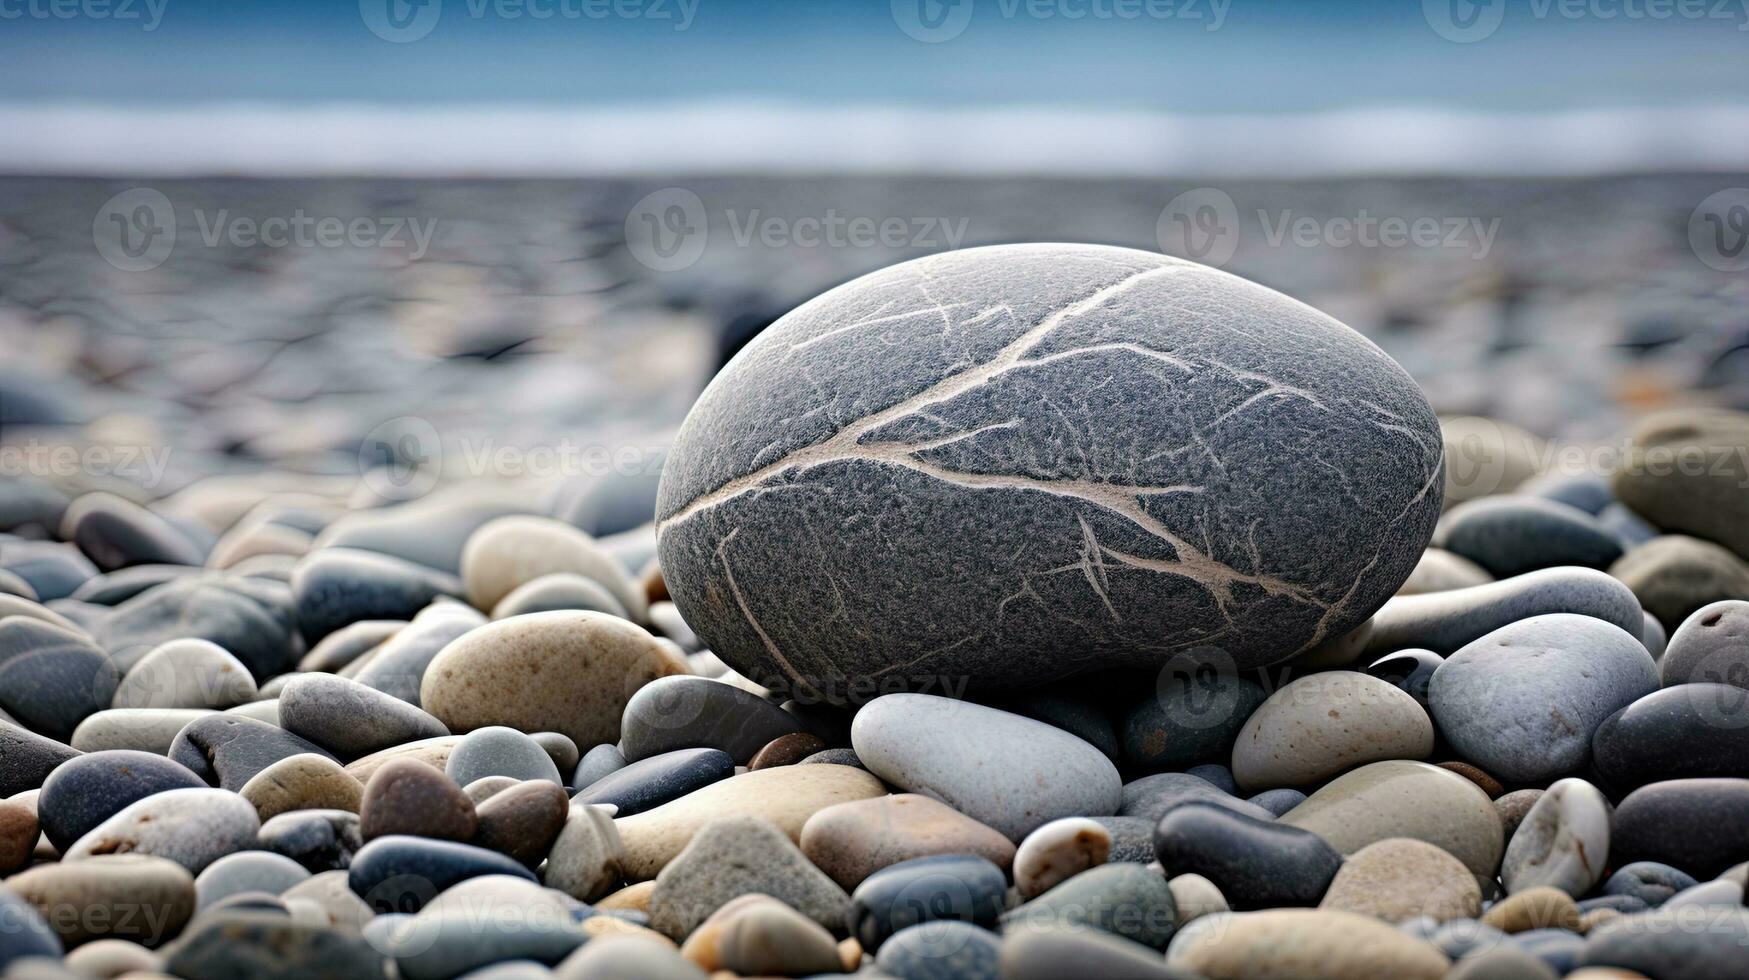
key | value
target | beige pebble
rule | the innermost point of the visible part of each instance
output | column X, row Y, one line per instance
column 851, row 841
column 303, row 782
column 1058, row 851
column 1289, row 943
column 1399, row 879
column 1194, row 896
column 1534, row 908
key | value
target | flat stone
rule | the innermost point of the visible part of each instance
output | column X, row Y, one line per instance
column 1534, row 908
column 1128, row 900
column 186, row 674
column 1192, row 716
column 401, row 873
column 397, row 668
column 26, row 758
column 962, row 543
column 1405, row 799
column 523, row 820
column 1712, row 894
column 434, row 752
column 18, row 835
column 1151, row 797
column 1698, row 825
column 941, row 951
column 1009, row 772
column 246, row 871
column 786, row 750
column 1648, row 881
column 253, row 620
column 1524, row 701
column 245, row 944
column 229, row 750
column 586, row 859
column 1711, row 646
column 696, row 712
column 482, row 921
column 409, row 797
column 1302, row 942
column 143, row 729
column 135, row 897
column 956, row 887
column 320, row 840
column 115, row 533
column 1255, row 863
column 431, row 530
column 1513, row 534
column 736, row 856
column 1049, row 954
column 52, row 570
column 850, row 841
column 513, row 551
column 1324, row 724
column 596, row 764
column 570, row 672
column 1445, row 622
column 559, row 590
column 1398, row 879
column 85, row 791
column 193, row 827
column 302, row 782
column 334, row 587
column 115, row 588
column 1056, row 852
column 1685, row 473
column 653, row 781
column 786, row 797
column 1657, row 944
column 1687, row 731
column 1675, row 576
column 51, row 678
column 351, row 719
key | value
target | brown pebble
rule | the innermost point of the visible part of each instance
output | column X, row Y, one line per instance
column 1488, row 783
column 635, row 897
column 853, row 840
column 18, row 833
column 1513, row 807
column 655, row 586
column 786, row 750
column 405, row 796
column 523, row 821
column 1534, row 908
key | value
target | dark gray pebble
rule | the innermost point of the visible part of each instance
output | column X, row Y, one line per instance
column 320, row 840
column 399, row 873
column 85, row 791
column 337, row 586
column 953, row 886
column 227, row 750
column 1255, row 863
column 696, row 712
column 649, row 783
column 1698, row 825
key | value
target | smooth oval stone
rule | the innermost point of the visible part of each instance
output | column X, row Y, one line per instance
column 52, row 570
column 633, row 959
column 433, row 752
column 337, row 586
column 1512, row 535
column 431, row 530
column 786, row 797
column 246, row 871
column 836, row 757
column 1524, row 701
column 850, row 841
column 1320, row 725
column 1278, row 801
column 113, row 958
column 1509, row 961
column 941, row 951
column 1152, row 796
column 1058, row 851
column 1685, row 472
column 85, row 791
column 26, row 758
column 1192, row 717
column 1447, row 621
column 1589, row 492
column 1009, row 772
column 135, row 897
column 52, row 678
column 1128, row 900
column 523, row 820
column 559, row 590
column 499, row 751
column 347, row 644
column 1650, row 882
column 1667, row 944
column 186, row 674
column 19, row 833
column 1048, row 954
column 252, row 620
column 1722, row 892
column 1711, row 646
column 1487, row 456
column 1195, row 896
column 302, row 782
column 570, row 672
column 229, row 750
column 1255, row 863
column 735, row 856
column 193, row 827
column 1217, row 775
column 115, row 533
column 786, row 750
column 320, row 840
column 1405, row 799
column 673, row 713
column 929, row 889
column 1674, row 576
column 409, row 797
column 143, row 729
column 401, row 873
column 1411, row 671
column 1302, row 943
column 596, row 764
column 560, row 749
column 1400, row 879
column 1681, row 732
column 350, row 719
column 950, row 464
column 1698, row 825
column 250, row 943
column 512, row 551
column 651, row 782
column 397, row 668
column 1563, row 842
column 115, row 588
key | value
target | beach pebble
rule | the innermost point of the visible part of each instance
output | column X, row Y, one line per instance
column 1324, row 724
column 1445, row 622
column 626, row 959
column 560, row 749
column 186, row 674
column 735, row 856
column 523, row 820
column 400, row 873
column 397, row 668
column 1685, row 473
column 499, row 751
column 113, row 958
column 927, row 889
column 1515, row 534
column 1079, row 716
column 250, row 619
column 850, row 841
column 193, row 827
column 136, row 897
column 229, row 750
column 1404, row 799
column 142, row 729
column 351, row 719
column 1658, row 944
column 26, row 758
column 1541, row 907
column 1486, row 456
column 1513, row 807
column 1504, row 962
column 247, row 943
column 433, row 752
column 1399, row 879
column 18, row 835
column 410, row 797
column 1195, row 896
column 786, row 750
column 1648, row 881
column 246, row 871
column 559, row 590
column 1128, row 900
column 1524, row 701
column 115, row 533
column 1049, row 954
column 84, row 792
column 1009, row 772
column 1441, row 571
column 1711, row 646
column 1302, row 943
column 941, row 951
column 1686, row 731
column 51, row 678
column 1191, row 717
column 320, row 840
column 1254, row 863
column 513, row 551
column 302, row 782
column 329, row 892
column 1057, row 851
column 346, row 645
column 334, row 587
column 585, row 858
column 597, row 763
column 696, row 712
column 1675, row 576
column 650, row 782
column 1277, row 801
column 569, row 672
column 1152, row 796
column 1698, row 825
column 772, row 939
column 52, row 570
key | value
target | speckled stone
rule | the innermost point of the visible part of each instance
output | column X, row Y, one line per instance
column 930, row 889
column 499, row 751
column 1524, row 701
column 1562, row 843
column 1675, row 576
column 512, row 551
column 1323, row 724
column 962, row 539
column 1398, row 879
column 1685, row 472
column 84, row 792
column 697, row 712
column 302, row 782
column 1255, row 863
column 1303, row 943
column 570, row 672
column 229, row 750
column 1128, row 900
column 737, row 856
column 1687, row 731
column 941, row 951
column 658, row 779
column 1405, row 799
column 523, row 820
column 1659, row 944
column 1513, row 807
column 850, row 841
column 402, row 873
column 786, row 750
column 350, row 719
column 1009, row 772
column 1711, row 646
column 193, row 827
column 1058, row 851
column 1484, row 782
column 410, row 797
column 135, row 897
column 1698, row 825
column 51, row 678
column 1513, row 534
column 1447, row 621
column 320, row 840
column 18, row 835
column 1191, row 717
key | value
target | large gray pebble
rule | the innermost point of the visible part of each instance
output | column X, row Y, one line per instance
column 193, row 827
column 1445, row 621
column 350, row 719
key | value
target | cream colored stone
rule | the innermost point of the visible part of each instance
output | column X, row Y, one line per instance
column 303, row 782
column 1284, row 943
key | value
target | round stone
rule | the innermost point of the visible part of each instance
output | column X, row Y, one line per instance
column 513, row 551
column 1048, row 954
column 586, row 858
column 1675, row 576
column 351, row 719
column 85, row 791
column 941, row 951
column 1698, row 825
column 302, row 782
column 1151, row 797
column 126, row 896
column 1711, row 646
column 596, row 764
column 947, row 437
column 930, row 889
column 193, row 827
column 523, row 820
column 1009, row 772
column 786, row 750
column 1405, row 799
column 1058, row 851
column 499, row 751
column 1562, row 843
column 1255, row 863
column 51, row 678
column 1400, row 879
column 142, row 729
column 1511, row 535
column 1302, row 943
column 1195, row 897
column 26, row 758
column 1524, row 701
column 1681, row 732
column 410, row 797
column 186, row 674
column 320, row 840
column 569, row 672
column 246, row 871
column 853, row 840
column 1323, row 724
column 397, row 668
column 1686, row 471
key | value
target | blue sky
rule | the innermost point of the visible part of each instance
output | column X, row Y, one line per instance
column 1266, row 56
